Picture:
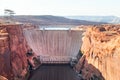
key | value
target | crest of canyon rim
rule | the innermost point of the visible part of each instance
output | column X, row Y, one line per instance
column 101, row 48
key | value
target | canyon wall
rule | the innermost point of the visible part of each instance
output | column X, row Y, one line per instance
column 101, row 53
column 13, row 49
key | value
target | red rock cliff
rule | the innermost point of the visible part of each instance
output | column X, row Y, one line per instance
column 13, row 50
column 101, row 48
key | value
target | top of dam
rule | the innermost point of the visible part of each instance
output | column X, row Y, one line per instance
column 54, row 28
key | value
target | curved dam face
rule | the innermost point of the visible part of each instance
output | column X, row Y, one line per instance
column 54, row 45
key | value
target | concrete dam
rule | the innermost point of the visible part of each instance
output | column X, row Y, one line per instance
column 54, row 45
column 53, row 48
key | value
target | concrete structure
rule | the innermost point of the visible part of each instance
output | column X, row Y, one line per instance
column 54, row 45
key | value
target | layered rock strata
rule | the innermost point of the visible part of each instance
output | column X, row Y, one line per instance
column 101, row 49
column 13, row 49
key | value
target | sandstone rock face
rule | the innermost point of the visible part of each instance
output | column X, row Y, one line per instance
column 101, row 48
column 3, row 78
column 13, row 49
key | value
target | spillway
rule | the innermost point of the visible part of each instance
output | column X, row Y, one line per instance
column 54, row 45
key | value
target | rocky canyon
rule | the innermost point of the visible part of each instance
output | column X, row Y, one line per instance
column 101, row 53
column 13, row 49
column 100, row 48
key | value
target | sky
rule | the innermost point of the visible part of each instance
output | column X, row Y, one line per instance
column 62, row 7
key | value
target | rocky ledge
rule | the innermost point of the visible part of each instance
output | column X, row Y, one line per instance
column 101, row 53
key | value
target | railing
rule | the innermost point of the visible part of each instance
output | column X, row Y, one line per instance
column 55, row 59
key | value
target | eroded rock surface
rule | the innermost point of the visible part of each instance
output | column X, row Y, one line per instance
column 101, row 48
column 13, row 49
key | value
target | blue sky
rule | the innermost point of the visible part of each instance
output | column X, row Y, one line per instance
column 62, row 7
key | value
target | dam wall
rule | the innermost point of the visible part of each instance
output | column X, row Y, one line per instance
column 54, row 46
